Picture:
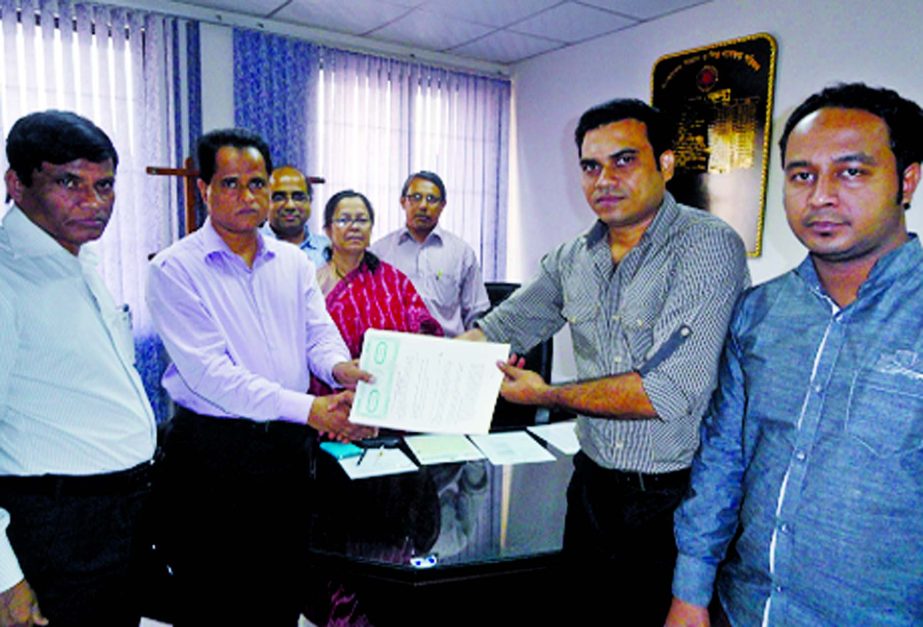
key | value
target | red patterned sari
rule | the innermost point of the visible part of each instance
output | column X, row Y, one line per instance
column 383, row 299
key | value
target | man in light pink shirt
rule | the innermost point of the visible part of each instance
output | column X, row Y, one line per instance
column 245, row 325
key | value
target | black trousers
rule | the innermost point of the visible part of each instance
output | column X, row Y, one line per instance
column 235, row 505
column 618, row 544
column 77, row 543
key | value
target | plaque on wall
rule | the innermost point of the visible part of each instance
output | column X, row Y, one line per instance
column 720, row 96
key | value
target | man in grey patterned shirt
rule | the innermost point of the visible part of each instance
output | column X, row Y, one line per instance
column 648, row 291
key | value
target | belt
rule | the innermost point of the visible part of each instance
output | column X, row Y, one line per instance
column 631, row 479
column 645, row 481
column 110, row 483
column 242, row 426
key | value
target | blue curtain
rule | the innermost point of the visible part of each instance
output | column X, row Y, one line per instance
column 271, row 76
column 378, row 120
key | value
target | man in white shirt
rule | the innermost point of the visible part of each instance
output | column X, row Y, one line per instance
column 441, row 266
column 77, row 432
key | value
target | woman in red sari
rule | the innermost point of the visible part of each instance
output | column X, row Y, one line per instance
column 362, row 291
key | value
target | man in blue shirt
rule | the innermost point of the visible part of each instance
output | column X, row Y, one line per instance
column 289, row 210
column 807, row 492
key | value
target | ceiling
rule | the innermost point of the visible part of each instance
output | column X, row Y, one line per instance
column 496, row 31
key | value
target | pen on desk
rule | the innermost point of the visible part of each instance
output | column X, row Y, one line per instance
column 362, row 456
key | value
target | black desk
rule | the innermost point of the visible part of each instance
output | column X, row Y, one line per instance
column 493, row 532
column 450, row 544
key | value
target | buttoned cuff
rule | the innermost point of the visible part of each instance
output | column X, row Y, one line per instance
column 10, row 572
column 694, row 580
column 295, row 406
column 325, row 370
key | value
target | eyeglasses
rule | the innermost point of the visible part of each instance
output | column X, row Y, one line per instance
column 418, row 198
column 345, row 222
column 295, row 196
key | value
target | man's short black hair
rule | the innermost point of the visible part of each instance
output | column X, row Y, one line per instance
column 55, row 137
column 426, row 175
column 210, row 143
column 903, row 117
column 659, row 127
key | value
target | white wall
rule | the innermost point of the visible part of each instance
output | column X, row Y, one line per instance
column 819, row 42
column 217, row 42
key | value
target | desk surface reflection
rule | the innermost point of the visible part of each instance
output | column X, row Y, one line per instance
column 442, row 534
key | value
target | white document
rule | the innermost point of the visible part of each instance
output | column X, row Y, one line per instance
column 442, row 449
column 513, row 447
column 561, row 435
column 428, row 384
column 377, row 462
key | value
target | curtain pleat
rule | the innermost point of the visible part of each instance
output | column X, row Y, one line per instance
column 365, row 122
column 271, row 75
column 382, row 119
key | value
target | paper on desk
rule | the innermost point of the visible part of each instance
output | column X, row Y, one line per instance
column 428, row 384
column 513, row 447
column 561, row 435
column 442, row 449
column 378, row 462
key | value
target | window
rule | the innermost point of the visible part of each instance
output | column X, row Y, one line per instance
column 379, row 119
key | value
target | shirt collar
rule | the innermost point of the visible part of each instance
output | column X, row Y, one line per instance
column 886, row 271
column 435, row 234
column 311, row 240
column 212, row 244
column 27, row 239
column 658, row 231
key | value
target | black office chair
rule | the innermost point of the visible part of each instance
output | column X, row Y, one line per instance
column 510, row 415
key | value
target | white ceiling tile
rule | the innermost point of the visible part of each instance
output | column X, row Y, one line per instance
column 644, row 9
column 246, row 7
column 355, row 17
column 506, row 47
column 461, row 27
column 430, row 31
column 572, row 23
column 490, row 12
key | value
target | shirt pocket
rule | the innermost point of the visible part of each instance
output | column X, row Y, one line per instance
column 582, row 315
column 885, row 411
column 442, row 289
column 119, row 322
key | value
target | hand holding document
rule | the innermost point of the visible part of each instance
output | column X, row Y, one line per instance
column 428, row 384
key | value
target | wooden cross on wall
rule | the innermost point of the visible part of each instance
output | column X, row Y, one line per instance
column 190, row 193
column 189, row 174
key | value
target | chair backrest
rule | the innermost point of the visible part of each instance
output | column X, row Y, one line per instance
column 539, row 358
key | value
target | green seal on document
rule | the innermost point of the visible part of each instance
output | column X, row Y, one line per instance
column 382, row 355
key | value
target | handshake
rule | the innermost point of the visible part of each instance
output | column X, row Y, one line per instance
column 330, row 414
